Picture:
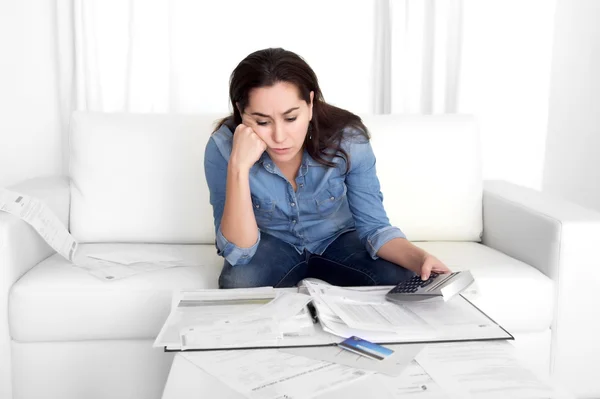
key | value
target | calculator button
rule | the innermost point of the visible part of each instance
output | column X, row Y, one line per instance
column 427, row 282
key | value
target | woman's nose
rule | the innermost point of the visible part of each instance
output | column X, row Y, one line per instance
column 278, row 134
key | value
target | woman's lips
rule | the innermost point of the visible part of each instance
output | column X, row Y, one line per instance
column 280, row 150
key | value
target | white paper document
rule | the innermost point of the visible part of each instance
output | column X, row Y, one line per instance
column 367, row 314
column 270, row 374
column 393, row 365
column 231, row 333
column 42, row 219
column 191, row 308
column 114, row 264
column 413, row 382
column 213, row 319
column 258, row 326
column 484, row 370
column 130, row 256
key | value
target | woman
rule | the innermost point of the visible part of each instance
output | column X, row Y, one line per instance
column 294, row 189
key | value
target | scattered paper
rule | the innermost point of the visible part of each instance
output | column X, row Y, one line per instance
column 484, row 370
column 393, row 365
column 270, row 374
column 413, row 382
column 133, row 255
column 42, row 219
column 115, row 264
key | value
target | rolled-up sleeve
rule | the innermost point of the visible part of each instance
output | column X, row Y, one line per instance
column 215, row 170
column 232, row 253
column 365, row 198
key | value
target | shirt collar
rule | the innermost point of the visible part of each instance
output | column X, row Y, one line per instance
column 267, row 163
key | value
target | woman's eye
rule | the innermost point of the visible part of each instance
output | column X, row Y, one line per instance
column 291, row 119
column 261, row 123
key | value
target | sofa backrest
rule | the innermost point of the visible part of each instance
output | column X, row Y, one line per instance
column 430, row 172
column 140, row 177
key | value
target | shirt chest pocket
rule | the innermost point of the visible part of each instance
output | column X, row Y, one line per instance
column 263, row 209
column 329, row 200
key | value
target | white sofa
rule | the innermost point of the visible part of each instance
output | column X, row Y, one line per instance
column 139, row 179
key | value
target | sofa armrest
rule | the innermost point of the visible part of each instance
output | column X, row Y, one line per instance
column 21, row 248
column 561, row 239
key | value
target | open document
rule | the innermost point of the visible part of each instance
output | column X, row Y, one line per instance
column 269, row 318
column 42, row 219
column 364, row 312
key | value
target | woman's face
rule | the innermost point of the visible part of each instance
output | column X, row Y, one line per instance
column 280, row 117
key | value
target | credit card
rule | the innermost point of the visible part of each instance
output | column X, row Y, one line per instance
column 365, row 348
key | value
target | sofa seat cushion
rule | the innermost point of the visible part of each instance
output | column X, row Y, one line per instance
column 514, row 294
column 58, row 302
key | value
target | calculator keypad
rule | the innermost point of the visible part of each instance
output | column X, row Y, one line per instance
column 413, row 284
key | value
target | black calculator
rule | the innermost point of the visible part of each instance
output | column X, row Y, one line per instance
column 437, row 286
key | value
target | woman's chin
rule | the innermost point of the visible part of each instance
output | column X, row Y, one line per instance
column 284, row 155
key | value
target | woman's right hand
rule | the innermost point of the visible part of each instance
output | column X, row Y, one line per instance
column 247, row 147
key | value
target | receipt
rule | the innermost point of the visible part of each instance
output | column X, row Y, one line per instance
column 42, row 219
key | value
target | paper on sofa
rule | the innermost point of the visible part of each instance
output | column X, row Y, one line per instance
column 42, row 219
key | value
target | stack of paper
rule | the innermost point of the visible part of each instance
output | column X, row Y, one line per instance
column 364, row 312
column 212, row 319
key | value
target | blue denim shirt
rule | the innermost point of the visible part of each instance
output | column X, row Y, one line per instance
column 328, row 201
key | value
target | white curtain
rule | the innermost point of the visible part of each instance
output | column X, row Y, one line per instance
column 426, row 37
column 376, row 56
column 177, row 55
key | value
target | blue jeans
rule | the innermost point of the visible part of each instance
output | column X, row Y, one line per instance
column 345, row 262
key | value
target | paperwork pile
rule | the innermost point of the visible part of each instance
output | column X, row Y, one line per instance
column 253, row 317
column 293, row 358
column 365, row 312
column 268, row 318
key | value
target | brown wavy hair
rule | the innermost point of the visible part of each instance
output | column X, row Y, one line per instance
column 329, row 124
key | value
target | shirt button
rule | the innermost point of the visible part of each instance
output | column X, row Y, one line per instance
column 257, row 206
column 293, row 204
column 301, row 184
column 332, row 198
column 293, row 220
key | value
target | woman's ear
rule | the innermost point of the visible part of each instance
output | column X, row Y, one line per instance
column 310, row 106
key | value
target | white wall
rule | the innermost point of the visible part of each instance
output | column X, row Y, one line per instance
column 30, row 134
column 572, row 165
